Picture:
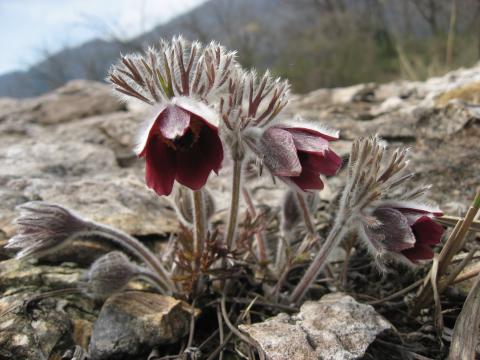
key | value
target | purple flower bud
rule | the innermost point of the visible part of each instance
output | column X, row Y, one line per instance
column 298, row 155
column 109, row 274
column 404, row 230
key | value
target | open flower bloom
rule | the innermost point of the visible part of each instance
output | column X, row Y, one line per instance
column 181, row 143
column 406, row 231
column 298, row 155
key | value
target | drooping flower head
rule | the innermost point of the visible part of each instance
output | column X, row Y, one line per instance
column 182, row 80
column 392, row 222
column 298, row 154
column 403, row 230
column 182, row 143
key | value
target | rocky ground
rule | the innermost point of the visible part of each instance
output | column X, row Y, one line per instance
column 73, row 147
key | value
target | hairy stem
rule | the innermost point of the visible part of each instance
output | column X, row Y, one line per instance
column 333, row 239
column 235, row 202
column 200, row 231
column 312, row 236
column 153, row 279
column 262, row 254
column 136, row 248
column 307, row 217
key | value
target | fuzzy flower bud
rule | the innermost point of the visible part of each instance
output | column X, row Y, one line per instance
column 43, row 228
column 109, row 274
column 184, row 204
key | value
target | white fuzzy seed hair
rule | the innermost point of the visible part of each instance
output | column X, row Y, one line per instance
column 177, row 68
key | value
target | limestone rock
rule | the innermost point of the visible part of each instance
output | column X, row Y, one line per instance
column 48, row 327
column 132, row 323
column 77, row 99
column 334, row 328
column 86, row 165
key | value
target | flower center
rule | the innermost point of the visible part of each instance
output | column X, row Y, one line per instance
column 187, row 140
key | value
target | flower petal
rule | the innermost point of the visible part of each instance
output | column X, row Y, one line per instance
column 280, row 153
column 173, row 122
column 200, row 109
column 427, row 231
column 312, row 132
column 308, row 180
column 306, row 141
column 160, row 169
column 327, row 163
column 147, row 130
column 419, row 252
column 195, row 164
column 394, row 229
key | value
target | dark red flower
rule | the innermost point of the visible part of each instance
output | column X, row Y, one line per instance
column 299, row 155
column 406, row 230
column 181, row 144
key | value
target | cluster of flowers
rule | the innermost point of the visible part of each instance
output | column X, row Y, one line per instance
column 204, row 104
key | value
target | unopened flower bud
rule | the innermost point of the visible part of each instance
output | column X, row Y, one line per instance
column 184, row 204
column 109, row 274
column 43, row 228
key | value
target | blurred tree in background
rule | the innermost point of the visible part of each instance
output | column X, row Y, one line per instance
column 315, row 43
column 351, row 42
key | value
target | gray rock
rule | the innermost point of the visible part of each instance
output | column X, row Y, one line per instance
column 82, row 165
column 49, row 326
column 132, row 323
column 73, row 146
column 77, row 99
column 334, row 328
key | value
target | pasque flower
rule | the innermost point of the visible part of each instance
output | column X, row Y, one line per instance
column 298, row 155
column 181, row 143
column 406, row 231
column 181, row 81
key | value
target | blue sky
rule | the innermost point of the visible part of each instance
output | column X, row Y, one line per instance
column 30, row 27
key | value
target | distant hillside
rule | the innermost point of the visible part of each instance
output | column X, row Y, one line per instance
column 92, row 59
column 316, row 43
